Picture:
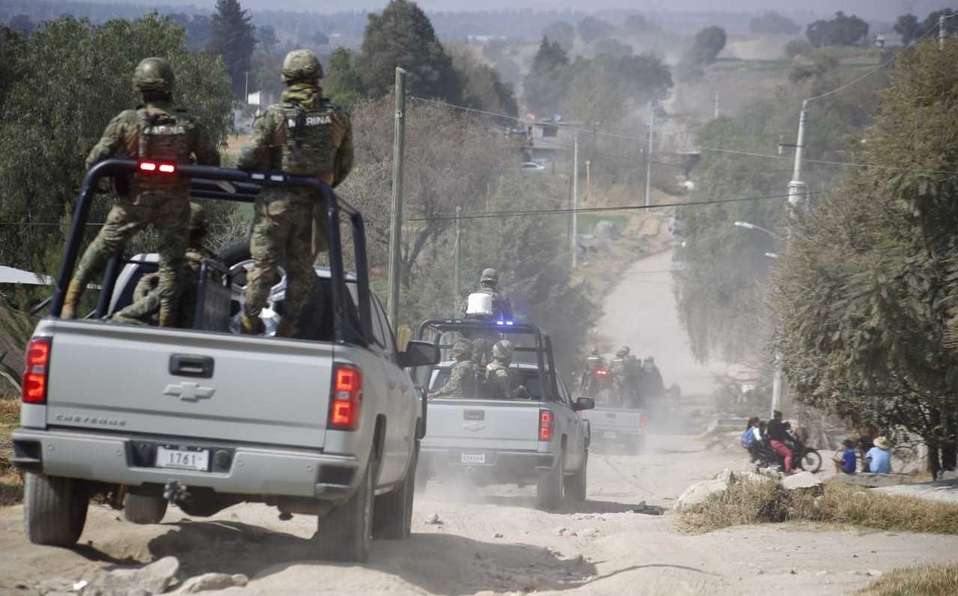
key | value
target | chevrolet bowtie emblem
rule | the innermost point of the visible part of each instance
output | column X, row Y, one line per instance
column 473, row 426
column 187, row 391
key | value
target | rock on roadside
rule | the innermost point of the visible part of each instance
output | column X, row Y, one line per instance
column 700, row 491
column 212, row 581
column 154, row 578
column 802, row 480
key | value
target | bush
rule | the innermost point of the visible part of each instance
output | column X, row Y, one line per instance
column 797, row 47
column 752, row 502
column 927, row 580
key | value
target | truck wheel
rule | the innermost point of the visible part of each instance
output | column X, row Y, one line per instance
column 54, row 509
column 549, row 489
column 392, row 514
column 575, row 485
column 143, row 509
column 346, row 532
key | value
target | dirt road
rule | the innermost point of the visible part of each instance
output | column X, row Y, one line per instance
column 494, row 540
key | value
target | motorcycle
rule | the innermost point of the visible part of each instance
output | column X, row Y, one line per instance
column 803, row 457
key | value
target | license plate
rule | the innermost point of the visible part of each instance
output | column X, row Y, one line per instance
column 473, row 458
column 183, row 459
column 609, row 435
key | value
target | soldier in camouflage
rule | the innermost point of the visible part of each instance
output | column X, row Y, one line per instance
column 462, row 379
column 304, row 135
column 498, row 375
column 145, row 308
column 501, row 308
column 155, row 131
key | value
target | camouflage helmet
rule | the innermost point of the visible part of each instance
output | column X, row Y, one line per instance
column 197, row 218
column 153, row 74
column 595, row 351
column 626, row 349
column 502, row 350
column 301, row 65
column 461, row 349
column 489, row 275
column 621, row 353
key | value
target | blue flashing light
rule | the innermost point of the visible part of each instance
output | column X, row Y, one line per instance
column 510, row 323
column 500, row 322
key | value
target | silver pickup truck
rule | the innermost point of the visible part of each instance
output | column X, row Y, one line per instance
column 327, row 424
column 618, row 426
column 536, row 438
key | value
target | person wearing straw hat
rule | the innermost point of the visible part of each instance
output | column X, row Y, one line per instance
column 879, row 457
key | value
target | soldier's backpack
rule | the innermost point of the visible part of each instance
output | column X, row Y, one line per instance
column 163, row 137
column 308, row 147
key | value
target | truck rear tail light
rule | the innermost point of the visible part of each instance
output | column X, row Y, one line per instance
column 546, row 425
column 347, row 397
column 153, row 166
column 642, row 420
column 35, row 371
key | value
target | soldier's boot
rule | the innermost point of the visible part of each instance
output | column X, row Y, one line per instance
column 286, row 328
column 72, row 300
column 252, row 326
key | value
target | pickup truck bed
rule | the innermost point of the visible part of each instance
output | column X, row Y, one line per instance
column 617, row 426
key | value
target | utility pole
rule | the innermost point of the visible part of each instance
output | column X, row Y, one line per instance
column 246, row 99
column 457, row 269
column 716, row 115
column 395, row 227
column 648, row 156
column 941, row 32
column 575, row 200
column 796, row 188
column 588, row 179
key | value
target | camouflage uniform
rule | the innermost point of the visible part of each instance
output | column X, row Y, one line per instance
column 155, row 130
column 501, row 308
column 146, row 297
column 462, row 379
column 304, row 135
column 498, row 375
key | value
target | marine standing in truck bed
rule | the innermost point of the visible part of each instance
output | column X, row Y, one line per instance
column 304, row 135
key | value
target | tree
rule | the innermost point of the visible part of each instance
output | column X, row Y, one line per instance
column 612, row 47
column 343, row 83
column 69, row 79
column 319, row 39
column 637, row 24
column 401, row 35
column 931, row 22
column 703, row 51
column 232, row 39
column 772, row 23
column 267, row 39
column 199, row 31
column 843, row 30
column 22, row 23
column 561, row 32
column 591, row 29
column 482, row 87
column 627, row 84
column 864, row 296
column 907, row 26
column 546, row 85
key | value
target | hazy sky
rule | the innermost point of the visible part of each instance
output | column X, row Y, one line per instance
column 869, row 9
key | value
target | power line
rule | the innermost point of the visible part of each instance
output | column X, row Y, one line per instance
column 568, row 211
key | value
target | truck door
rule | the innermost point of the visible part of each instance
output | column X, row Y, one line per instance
column 400, row 414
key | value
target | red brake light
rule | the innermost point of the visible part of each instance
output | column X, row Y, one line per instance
column 152, row 166
column 642, row 420
column 347, row 397
column 601, row 372
column 35, row 371
column 546, row 425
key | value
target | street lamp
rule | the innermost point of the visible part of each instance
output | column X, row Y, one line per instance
column 751, row 226
column 771, row 255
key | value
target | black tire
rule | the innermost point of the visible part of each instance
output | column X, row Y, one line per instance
column 392, row 513
column 345, row 533
column 54, row 509
column 550, row 487
column 143, row 509
column 234, row 251
column 811, row 461
column 576, row 486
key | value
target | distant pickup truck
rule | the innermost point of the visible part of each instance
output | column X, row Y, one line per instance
column 327, row 424
column 537, row 438
column 618, row 426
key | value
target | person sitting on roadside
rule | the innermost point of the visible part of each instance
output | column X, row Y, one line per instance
column 879, row 457
column 778, row 437
column 846, row 461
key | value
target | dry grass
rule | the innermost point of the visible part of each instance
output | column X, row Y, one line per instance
column 927, row 580
column 11, row 480
column 753, row 502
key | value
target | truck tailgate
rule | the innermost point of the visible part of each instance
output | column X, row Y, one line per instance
column 615, row 420
column 147, row 380
column 483, row 424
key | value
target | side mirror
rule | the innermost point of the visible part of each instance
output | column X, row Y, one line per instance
column 583, row 403
column 419, row 353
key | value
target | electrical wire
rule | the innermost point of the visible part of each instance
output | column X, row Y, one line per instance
column 569, row 211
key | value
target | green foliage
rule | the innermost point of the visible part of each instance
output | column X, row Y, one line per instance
column 561, row 32
column 23, row 24
column 773, row 23
column 864, row 296
column 842, row 30
column 637, row 24
column 482, row 87
column 546, row 85
column 343, row 83
column 704, row 50
column 612, row 47
column 401, row 35
column 907, row 26
column 267, row 39
column 68, row 80
column 931, row 22
column 591, row 29
column 232, row 40
column 626, row 83
column 797, row 47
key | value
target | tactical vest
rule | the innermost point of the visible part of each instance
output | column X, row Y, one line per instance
column 164, row 137
column 309, row 142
